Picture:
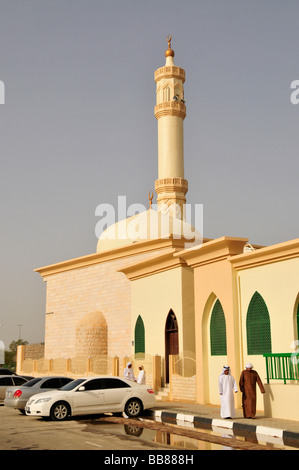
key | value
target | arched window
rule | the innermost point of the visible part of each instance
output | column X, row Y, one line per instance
column 171, row 321
column 297, row 318
column 139, row 336
column 166, row 93
column 218, row 331
column 177, row 91
column 258, row 326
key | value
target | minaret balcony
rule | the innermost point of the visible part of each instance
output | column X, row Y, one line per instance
column 170, row 108
column 170, row 71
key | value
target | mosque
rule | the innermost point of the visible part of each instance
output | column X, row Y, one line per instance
column 154, row 286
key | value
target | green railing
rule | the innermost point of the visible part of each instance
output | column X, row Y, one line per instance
column 282, row 366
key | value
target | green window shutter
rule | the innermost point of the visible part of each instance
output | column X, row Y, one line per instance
column 218, row 331
column 139, row 336
column 258, row 326
column 298, row 321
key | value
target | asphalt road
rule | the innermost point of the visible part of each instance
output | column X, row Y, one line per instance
column 113, row 434
column 19, row 432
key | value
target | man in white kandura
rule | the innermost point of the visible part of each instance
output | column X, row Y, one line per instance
column 227, row 387
column 128, row 372
column 141, row 376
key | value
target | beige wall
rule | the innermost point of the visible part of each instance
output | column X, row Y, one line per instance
column 278, row 284
column 75, row 293
column 280, row 401
column 34, row 351
column 153, row 297
column 214, row 278
column 222, row 271
column 215, row 281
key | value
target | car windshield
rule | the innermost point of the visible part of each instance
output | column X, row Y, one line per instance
column 73, row 384
column 32, row 382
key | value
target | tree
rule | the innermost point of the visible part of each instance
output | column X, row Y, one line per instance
column 11, row 354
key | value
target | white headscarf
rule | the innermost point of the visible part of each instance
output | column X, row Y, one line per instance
column 128, row 372
column 224, row 369
column 248, row 365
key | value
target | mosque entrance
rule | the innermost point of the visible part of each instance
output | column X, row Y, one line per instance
column 171, row 340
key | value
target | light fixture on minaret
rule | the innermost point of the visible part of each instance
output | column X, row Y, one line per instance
column 170, row 112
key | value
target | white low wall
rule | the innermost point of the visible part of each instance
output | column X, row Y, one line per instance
column 184, row 388
column 281, row 401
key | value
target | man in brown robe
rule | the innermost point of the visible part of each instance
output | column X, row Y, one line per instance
column 248, row 380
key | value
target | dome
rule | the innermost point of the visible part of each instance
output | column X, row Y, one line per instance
column 147, row 225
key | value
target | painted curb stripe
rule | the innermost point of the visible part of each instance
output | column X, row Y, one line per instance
column 288, row 438
column 240, row 429
column 265, row 431
column 222, row 423
column 202, row 422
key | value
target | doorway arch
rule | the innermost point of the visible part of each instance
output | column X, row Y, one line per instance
column 214, row 348
column 171, row 340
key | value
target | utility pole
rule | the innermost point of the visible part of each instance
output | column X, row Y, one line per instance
column 20, row 327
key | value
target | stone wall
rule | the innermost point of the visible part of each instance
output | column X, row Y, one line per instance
column 34, row 351
column 76, row 294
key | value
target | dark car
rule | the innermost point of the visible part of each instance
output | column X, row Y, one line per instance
column 16, row 397
column 4, row 371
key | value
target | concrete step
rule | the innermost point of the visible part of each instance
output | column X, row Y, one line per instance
column 163, row 393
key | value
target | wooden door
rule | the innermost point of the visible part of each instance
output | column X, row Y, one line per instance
column 171, row 340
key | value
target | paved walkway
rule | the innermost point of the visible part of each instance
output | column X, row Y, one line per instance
column 208, row 416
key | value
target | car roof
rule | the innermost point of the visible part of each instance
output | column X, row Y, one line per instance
column 40, row 379
column 11, row 376
column 91, row 377
column 53, row 377
column 129, row 382
column 14, row 376
column 48, row 377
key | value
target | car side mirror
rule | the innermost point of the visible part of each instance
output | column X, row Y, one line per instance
column 81, row 389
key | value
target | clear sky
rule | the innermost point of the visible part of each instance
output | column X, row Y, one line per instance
column 78, row 129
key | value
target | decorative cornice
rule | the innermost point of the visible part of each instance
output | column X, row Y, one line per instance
column 110, row 255
column 171, row 185
column 170, row 71
column 154, row 265
column 266, row 255
column 213, row 251
column 170, row 108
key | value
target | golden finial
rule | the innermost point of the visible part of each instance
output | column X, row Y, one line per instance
column 150, row 198
column 169, row 51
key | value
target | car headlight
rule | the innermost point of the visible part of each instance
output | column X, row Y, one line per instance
column 43, row 400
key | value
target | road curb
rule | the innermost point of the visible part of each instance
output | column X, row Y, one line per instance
column 229, row 426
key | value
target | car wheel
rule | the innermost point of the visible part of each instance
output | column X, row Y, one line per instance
column 60, row 411
column 133, row 408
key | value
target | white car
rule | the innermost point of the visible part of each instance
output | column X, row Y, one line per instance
column 92, row 395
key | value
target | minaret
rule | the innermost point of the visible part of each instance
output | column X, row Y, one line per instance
column 170, row 112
